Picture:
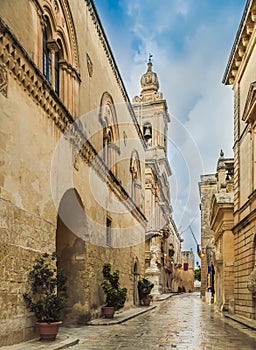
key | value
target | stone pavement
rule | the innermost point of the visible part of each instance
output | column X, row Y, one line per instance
column 182, row 322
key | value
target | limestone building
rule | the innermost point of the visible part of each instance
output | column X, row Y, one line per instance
column 187, row 274
column 217, row 242
column 72, row 159
column 152, row 115
column 221, row 222
column 207, row 187
column 241, row 75
column 79, row 174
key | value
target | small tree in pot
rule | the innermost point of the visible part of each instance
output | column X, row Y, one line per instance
column 144, row 289
column 47, row 295
column 115, row 296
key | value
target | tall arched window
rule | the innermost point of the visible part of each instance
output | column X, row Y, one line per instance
column 108, row 155
column 110, row 141
column 136, row 178
column 47, row 64
column 58, row 56
column 51, row 57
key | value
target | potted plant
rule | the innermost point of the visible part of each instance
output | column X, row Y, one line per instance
column 144, row 287
column 115, row 296
column 46, row 296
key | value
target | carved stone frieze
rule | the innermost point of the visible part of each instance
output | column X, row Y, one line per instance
column 3, row 80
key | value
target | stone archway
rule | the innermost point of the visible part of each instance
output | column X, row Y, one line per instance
column 70, row 247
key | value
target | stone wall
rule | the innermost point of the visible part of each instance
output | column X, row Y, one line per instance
column 207, row 187
column 60, row 198
column 241, row 75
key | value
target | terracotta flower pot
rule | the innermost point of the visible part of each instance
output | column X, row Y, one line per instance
column 48, row 331
column 108, row 311
column 146, row 302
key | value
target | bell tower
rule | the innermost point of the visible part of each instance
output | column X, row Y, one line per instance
column 151, row 111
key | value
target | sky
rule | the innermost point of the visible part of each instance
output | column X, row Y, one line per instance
column 190, row 42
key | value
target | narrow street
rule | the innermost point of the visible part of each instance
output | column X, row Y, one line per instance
column 180, row 322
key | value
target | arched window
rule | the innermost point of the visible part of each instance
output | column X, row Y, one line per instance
column 108, row 119
column 51, row 57
column 108, row 155
column 136, row 178
column 47, row 65
column 58, row 56
column 147, row 134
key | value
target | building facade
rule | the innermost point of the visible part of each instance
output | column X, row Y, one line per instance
column 241, row 75
column 207, row 188
column 77, row 174
column 221, row 222
column 71, row 179
column 217, row 258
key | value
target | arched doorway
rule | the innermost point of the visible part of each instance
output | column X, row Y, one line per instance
column 70, row 247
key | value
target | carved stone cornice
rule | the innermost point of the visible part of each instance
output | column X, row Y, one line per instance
column 17, row 63
column 245, row 33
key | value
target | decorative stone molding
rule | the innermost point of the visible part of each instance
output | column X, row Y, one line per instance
column 245, row 40
column 3, row 80
column 241, row 44
column 249, row 28
column 253, row 14
column 251, row 285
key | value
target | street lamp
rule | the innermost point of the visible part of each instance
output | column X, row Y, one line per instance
column 200, row 252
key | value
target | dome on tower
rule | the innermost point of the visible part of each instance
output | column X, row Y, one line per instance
column 149, row 86
column 149, row 80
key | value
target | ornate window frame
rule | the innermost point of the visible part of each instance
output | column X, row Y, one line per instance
column 135, row 170
column 59, row 60
column 111, row 138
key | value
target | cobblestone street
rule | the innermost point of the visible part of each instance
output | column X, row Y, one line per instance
column 181, row 322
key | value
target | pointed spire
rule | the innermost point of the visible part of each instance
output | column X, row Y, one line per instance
column 221, row 153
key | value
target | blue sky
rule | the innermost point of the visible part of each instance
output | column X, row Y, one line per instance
column 190, row 41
